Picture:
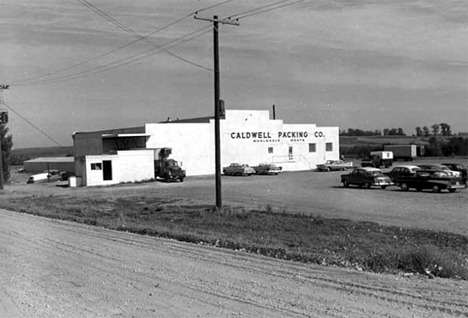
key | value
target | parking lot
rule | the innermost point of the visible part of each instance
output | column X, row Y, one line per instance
column 308, row 192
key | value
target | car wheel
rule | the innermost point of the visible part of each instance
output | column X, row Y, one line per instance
column 327, row 169
column 404, row 187
column 452, row 190
column 436, row 189
column 181, row 179
column 345, row 184
column 366, row 185
column 383, row 187
column 418, row 189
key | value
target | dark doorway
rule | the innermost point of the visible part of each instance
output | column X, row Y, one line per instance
column 107, row 169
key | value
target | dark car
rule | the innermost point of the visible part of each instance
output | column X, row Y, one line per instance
column 267, row 168
column 402, row 171
column 436, row 180
column 366, row 177
column 458, row 167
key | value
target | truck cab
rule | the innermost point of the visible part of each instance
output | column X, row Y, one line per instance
column 168, row 169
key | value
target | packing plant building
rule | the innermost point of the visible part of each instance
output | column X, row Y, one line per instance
column 247, row 136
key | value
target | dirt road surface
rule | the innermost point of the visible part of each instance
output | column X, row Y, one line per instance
column 51, row 268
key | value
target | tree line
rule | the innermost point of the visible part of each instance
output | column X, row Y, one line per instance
column 442, row 129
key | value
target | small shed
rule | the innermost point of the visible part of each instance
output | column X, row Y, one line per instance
column 56, row 163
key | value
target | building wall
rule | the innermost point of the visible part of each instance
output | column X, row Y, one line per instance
column 192, row 144
column 246, row 137
column 127, row 166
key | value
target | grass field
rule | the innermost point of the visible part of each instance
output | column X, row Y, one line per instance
column 298, row 237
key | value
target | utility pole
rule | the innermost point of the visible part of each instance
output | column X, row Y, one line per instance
column 216, row 22
column 3, row 121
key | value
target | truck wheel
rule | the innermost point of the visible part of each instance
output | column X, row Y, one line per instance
column 181, row 179
column 404, row 187
column 436, row 189
column 345, row 184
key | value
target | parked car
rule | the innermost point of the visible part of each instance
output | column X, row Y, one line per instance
column 238, row 169
column 452, row 173
column 267, row 168
column 458, row 167
column 39, row 177
column 436, row 180
column 402, row 171
column 366, row 177
column 331, row 165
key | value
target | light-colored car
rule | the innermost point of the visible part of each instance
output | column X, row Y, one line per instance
column 238, row 169
column 451, row 173
column 366, row 177
column 331, row 165
column 267, row 168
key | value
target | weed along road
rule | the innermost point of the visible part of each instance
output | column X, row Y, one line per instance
column 51, row 268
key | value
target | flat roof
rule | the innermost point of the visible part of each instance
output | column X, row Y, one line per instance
column 52, row 159
column 125, row 135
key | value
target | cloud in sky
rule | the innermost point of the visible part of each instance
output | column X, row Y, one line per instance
column 362, row 64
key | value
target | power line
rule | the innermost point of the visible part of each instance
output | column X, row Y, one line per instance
column 34, row 126
column 139, row 38
column 263, row 9
column 135, row 34
column 123, row 61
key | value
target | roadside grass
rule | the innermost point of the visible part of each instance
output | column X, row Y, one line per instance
column 304, row 237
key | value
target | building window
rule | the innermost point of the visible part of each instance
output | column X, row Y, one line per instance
column 270, row 149
column 312, row 148
column 329, row 146
column 96, row 166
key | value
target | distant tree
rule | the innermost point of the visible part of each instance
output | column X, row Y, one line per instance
column 359, row 132
column 419, row 132
column 7, row 145
column 426, row 131
column 401, row 132
column 386, row 131
column 435, row 129
column 445, row 129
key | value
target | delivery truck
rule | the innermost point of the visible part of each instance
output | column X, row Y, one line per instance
column 403, row 152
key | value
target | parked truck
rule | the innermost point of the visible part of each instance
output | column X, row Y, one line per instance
column 377, row 159
column 404, row 152
column 167, row 169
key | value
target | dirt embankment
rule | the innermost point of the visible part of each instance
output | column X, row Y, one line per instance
column 50, row 268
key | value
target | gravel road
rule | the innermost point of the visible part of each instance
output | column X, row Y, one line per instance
column 51, row 268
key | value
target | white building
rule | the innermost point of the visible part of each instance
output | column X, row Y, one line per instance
column 247, row 136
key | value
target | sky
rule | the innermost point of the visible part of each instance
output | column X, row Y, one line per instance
column 368, row 64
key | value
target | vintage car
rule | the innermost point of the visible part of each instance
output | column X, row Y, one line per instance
column 458, row 167
column 366, row 177
column 402, row 171
column 436, row 180
column 238, row 169
column 331, row 165
column 267, row 168
column 440, row 167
